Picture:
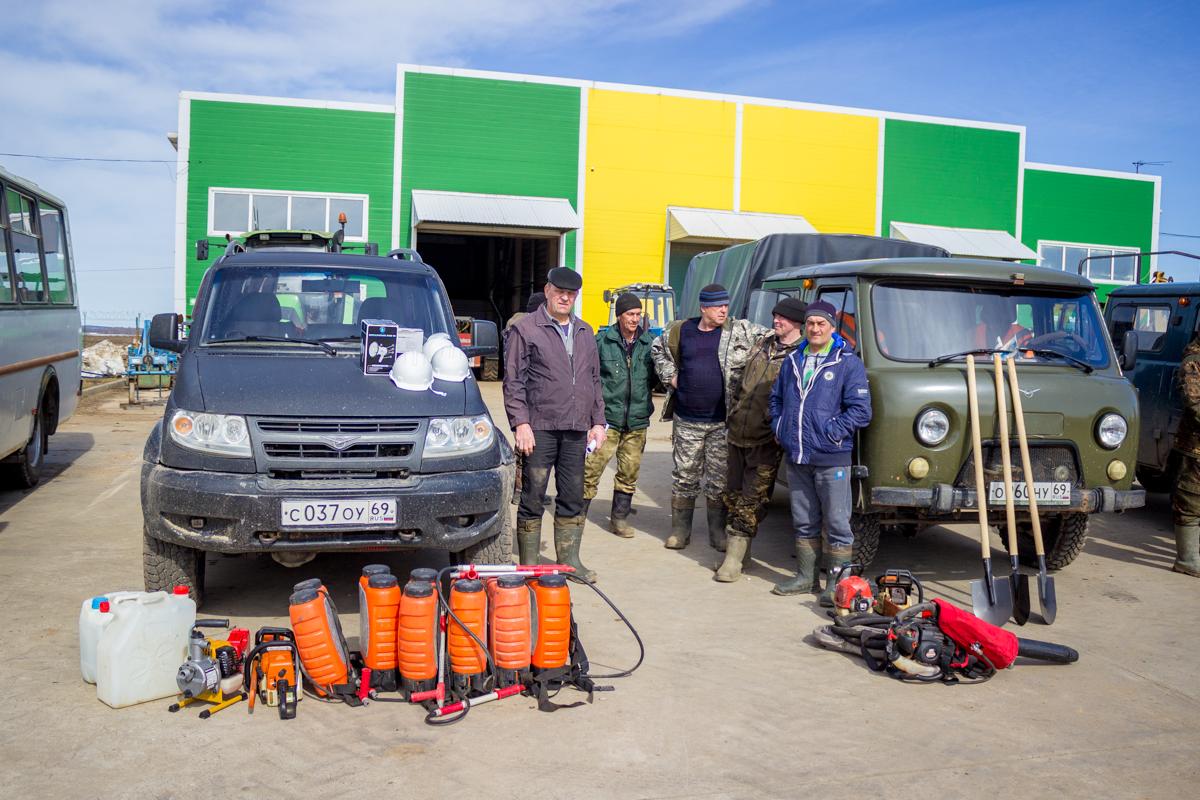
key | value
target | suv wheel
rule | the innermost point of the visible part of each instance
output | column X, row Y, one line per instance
column 166, row 565
column 866, row 537
column 27, row 470
column 489, row 370
column 496, row 550
column 1063, row 536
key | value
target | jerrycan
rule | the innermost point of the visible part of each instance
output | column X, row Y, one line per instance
column 141, row 650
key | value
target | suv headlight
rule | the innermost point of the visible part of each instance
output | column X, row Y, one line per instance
column 1111, row 431
column 457, row 436
column 933, row 426
column 220, row 434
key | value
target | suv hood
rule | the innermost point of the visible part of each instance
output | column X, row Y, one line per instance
column 276, row 384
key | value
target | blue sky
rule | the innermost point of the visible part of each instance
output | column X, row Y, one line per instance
column 1097, row 84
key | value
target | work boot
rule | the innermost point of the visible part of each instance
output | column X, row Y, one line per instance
column 529, row 540
column 808, row 552
column 718, row 515
column 621, row 503
column 837, row 558
column 1187, row 549
column 737, row 550
column 587, row 503
column 682, row 509
column 568, row 534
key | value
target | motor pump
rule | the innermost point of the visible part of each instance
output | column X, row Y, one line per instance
column 212, row 672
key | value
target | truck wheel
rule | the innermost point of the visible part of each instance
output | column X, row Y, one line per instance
column 490, row 369
column 496, row 550
column 866, row 537
column 1063, row 537
column 26, row 471
column 166, row 565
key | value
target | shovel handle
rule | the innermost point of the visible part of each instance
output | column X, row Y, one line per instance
column 1010, row 507
column 1023, row 443
column 977, row 457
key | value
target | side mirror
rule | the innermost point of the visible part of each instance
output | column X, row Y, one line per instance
column 485, row 338
column 164, row 333
column 202, row 249
column 607, row 296
column 1129, row 348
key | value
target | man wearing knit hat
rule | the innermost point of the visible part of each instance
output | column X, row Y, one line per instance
column 753, row 452
column 819, row 400
column 700, row 360
column 626, row 379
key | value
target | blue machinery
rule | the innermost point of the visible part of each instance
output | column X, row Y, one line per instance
column 148, row 367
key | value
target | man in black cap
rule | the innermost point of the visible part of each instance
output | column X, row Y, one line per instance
column 753, row 452
column 554, row 405
column 700, row 360
column 627, row 378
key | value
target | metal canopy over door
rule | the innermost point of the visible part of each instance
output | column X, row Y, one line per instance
column 968, row 242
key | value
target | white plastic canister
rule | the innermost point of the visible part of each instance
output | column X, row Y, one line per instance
column 94, row 616
column 141, row 650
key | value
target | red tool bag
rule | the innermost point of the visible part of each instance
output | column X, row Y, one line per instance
column 997, row 646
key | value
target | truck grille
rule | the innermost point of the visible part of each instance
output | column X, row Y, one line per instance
column 1044, row 458
column 336, row 448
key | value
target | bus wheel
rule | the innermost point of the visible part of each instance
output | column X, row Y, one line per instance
column 26, row 470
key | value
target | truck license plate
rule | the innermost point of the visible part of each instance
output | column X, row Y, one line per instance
column 338, row 513
column 1056, row 493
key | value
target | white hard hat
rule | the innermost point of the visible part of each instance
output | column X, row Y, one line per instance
column 412, row 372
column 450, row 364
column 435, row 342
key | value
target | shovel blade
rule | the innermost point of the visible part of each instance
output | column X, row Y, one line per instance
column 1019, row 584
column 997, row 612
column 1047, row 598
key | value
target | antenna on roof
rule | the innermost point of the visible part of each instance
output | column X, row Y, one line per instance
column 1137, row 165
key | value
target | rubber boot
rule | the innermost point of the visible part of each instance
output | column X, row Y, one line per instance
column 529, row 540
column 737, row 550
column 621, row 503
column 808, row 552
column 682, row 509
column 837, row 558
column 587, row 503
column 568, row 534
column 718, row 515
column 1187, row 549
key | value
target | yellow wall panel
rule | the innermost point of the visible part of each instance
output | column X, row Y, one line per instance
column 820, row 165
column 646, row 152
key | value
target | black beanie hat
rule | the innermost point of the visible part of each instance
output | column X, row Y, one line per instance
column 627, row 302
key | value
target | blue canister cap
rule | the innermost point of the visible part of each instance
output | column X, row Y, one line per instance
column 96, row 601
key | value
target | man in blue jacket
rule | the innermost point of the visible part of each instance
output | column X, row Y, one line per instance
column 818, row 401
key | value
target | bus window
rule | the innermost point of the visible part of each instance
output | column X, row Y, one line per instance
column 6, row 287
column 58, row 276
column 27, row 258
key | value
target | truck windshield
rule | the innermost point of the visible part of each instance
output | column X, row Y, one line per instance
column 922, row 323
column 324, row 304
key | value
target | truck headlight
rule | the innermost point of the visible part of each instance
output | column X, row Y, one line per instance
column 456, row 436
column 220, row 434
column 933, row 426
column 1111, row 431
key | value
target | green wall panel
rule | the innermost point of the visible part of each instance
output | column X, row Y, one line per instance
column 1088, row 209
column 489, row 137
column 950, row 175
column 286, row 148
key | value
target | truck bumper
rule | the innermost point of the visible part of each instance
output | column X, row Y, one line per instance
column 943, row 498
column 239, row 513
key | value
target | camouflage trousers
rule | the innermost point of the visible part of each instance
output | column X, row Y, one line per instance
column 751, row 478
column 627, row 446
column 699, row 451
column 1185, row 500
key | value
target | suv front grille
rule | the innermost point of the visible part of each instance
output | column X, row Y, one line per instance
column 337, row 426
column 1044, row 458
column 290, row 448
column 316, row 450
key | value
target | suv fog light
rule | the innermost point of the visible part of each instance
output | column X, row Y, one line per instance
column 918, row 468
column 1116, row 470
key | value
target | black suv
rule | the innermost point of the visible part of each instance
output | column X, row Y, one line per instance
column 275, row 441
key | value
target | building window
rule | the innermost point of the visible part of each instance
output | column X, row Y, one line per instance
column 237, row 211
column 1104, row 264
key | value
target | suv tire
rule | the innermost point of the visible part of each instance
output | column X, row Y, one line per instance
column 496, row 550
column 866, row 537
column 1063, row 536
column 489, row 369
column 26, row 471
column 166, row 565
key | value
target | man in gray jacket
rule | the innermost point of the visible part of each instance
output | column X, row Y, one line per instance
column 556, row 410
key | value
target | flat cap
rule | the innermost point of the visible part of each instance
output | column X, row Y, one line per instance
column 564, row 278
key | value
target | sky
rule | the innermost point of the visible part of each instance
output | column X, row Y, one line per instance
column 1097, row 84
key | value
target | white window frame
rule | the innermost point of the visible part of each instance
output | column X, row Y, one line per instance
column 1115, row 249
column 327, row 196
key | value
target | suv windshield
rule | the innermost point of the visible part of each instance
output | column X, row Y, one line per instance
column 921, row 322
column 319, row 304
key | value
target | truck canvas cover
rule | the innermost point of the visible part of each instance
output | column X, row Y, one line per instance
column 743, row 267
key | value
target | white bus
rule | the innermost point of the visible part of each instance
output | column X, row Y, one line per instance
column 39, row 328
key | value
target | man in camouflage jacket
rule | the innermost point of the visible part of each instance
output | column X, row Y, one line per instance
column 1185, row 502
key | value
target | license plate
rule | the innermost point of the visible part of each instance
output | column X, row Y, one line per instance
column 1056, row 493
column 338, row 513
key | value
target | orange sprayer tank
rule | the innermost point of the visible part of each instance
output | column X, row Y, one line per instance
column 416, row 637
column 382, row 596
column 468, row 663
column 319, row 638
column 509, row 628
column 364, row 633
column 552, row 644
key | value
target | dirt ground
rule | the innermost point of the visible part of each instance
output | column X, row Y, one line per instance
column 732, row 701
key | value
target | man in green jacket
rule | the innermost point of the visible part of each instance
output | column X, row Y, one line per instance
column 626, row 378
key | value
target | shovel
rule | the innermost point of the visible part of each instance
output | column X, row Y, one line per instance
column 1018, row 583
column 991, row 601
column 1046, row 595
